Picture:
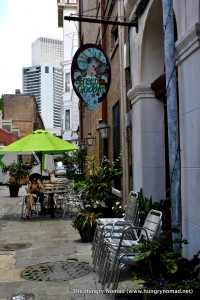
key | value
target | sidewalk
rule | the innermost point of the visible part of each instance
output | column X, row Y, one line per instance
column 48, row 240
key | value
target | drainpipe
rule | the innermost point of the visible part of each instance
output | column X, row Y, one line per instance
column 80, row 101
column 104, row 102
column 123, row 108
column 172, row 117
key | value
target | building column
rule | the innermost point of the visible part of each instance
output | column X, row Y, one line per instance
column 188, row 58
column 148, row 142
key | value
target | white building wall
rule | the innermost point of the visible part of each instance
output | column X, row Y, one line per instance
column 143, row 70
column 148, row 141
column 70, row 100
column 47, row 96
column 188, row 54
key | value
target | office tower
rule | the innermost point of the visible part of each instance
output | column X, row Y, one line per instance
column 44, row 80
column 47, row 50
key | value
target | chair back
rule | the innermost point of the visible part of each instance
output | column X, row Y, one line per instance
column 132, row 209
column 152, row 225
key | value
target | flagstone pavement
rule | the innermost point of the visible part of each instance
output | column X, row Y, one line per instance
column 47, row 240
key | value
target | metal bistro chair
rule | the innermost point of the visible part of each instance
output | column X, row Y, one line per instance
column 36, row 205
column 59, row 198
column 106, row 225
column 73, row 200
column 119, row 252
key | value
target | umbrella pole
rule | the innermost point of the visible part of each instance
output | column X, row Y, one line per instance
column 40, row 157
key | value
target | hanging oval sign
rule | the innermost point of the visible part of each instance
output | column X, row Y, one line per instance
column 91, row 74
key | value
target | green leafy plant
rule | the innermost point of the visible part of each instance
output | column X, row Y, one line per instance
column 74, row 159
column 85, row 220
column 1, row 103
column 85, row 223
column 146, row 204
column 163, row 268
column 98, row 189
column 81, row 187
column 17, row 171
column 118, row 209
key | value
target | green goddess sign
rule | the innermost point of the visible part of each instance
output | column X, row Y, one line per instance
column 91, row 74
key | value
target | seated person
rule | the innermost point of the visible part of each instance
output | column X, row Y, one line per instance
column 35, row 189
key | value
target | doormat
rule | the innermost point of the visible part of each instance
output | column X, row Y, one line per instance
column 14, row 246
column 56, row 271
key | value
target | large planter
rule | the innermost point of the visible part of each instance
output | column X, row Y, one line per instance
column 87, row 235
column 14, row 190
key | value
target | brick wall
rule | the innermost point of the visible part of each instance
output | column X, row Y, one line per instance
column 90, row 34
column 22, row 110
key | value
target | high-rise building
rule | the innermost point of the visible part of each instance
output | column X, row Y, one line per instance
column 44, row 80
column 70, row 111
column 47, row 50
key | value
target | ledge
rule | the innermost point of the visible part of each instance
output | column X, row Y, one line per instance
column 117, row 192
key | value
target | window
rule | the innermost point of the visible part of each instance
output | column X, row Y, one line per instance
column 15, row 131
column 114, row 34
column 67, row 82
column 6, row 127
column 72, row 1
column 46, row 69
column 67, row 119
column 114, row 39
column 116, row 141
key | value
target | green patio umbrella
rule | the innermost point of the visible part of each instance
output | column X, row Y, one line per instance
column 42, row 142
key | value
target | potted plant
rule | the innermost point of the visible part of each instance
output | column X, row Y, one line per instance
column 164, row 269
column 85, row 223
column 17, row 172
column 98, row 185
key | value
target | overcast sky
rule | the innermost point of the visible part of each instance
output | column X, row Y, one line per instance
column 21, row 23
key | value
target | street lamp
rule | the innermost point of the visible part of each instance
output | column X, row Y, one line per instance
column 82, row 145
column 89, row 139
column 103, row 130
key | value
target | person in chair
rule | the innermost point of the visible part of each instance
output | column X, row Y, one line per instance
column 34, row 190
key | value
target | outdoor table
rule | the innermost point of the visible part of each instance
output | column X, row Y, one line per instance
column 54, row 186
column 51, row 200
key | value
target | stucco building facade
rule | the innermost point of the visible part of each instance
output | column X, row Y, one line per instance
column 148, row 101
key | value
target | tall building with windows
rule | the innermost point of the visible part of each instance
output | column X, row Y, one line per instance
column 70, row 111
column 44, row 80
column 47, row 50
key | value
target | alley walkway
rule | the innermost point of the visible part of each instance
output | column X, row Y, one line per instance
column 45, row 240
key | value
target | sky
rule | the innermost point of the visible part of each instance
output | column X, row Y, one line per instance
column 21, row 23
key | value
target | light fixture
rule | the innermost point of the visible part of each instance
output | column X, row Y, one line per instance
column 103, row 130
column 89, row 139
column 82, row 145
